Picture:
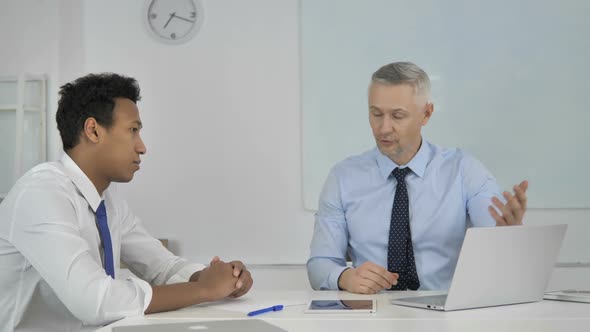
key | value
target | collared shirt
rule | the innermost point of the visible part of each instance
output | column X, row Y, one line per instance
column 51, row 273
column 448, row 191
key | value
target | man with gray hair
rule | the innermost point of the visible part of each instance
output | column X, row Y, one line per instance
column 437, row 193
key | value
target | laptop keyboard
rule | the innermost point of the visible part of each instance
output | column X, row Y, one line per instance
column 438, row 300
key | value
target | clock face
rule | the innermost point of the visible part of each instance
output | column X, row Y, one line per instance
column 174, row 21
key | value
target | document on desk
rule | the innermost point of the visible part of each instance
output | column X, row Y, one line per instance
column 571, row 295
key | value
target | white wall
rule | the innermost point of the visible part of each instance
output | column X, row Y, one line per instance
column 221, row 123
column 28, row 44
column 70, row 48
column 221, row 114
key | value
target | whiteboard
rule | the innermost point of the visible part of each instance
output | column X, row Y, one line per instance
column 509, row 85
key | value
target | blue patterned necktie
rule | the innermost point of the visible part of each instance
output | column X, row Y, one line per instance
column 400, row 253
column 105, row 236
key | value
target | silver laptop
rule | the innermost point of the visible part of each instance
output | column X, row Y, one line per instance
column 245, row 325
column 498, row 266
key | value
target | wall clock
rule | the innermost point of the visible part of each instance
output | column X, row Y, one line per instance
column 173, row 21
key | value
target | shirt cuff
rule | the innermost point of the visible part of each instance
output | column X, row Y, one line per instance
column 185, row 273
column 147, row 291
column 334, row 276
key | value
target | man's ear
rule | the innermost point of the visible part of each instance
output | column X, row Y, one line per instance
column 91, row 130
column 427, row 113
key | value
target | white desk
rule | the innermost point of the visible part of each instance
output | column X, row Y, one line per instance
column 540, row 316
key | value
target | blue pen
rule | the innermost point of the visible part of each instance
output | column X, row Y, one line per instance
column 261, row 311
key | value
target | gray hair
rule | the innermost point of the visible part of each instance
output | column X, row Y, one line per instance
column 403, row 73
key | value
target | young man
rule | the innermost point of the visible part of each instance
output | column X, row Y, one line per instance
column 64, row 229
column 401, row 210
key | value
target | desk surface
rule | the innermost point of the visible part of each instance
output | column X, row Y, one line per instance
column 539, row 316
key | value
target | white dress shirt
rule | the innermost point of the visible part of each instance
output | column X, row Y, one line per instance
column 51, row 272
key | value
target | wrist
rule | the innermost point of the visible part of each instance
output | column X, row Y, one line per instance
column 203, row 292
column 342, row 279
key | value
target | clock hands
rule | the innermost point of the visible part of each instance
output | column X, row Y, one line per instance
column 184, row 19
column 170, row 19
column 173, row 15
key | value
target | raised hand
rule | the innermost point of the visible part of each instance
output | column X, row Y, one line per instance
column 513, row 211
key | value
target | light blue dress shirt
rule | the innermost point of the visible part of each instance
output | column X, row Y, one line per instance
column 448, row 189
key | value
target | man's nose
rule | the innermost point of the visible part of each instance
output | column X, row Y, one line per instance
column 386, row 125
column 141, row 149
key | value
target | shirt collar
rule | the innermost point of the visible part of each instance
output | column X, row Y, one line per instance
column 417, row 164
column 81, row 181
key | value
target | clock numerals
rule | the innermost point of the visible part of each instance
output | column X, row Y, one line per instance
column 153, row 16
column 173, row 35
column 193, row 14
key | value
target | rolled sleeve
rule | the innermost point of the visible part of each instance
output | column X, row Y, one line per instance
column 185, row 273
column 133, row 290
column 146, row 289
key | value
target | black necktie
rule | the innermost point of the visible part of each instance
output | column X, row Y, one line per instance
column 400, row 253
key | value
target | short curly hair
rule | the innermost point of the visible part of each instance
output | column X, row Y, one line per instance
column 91, row 96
